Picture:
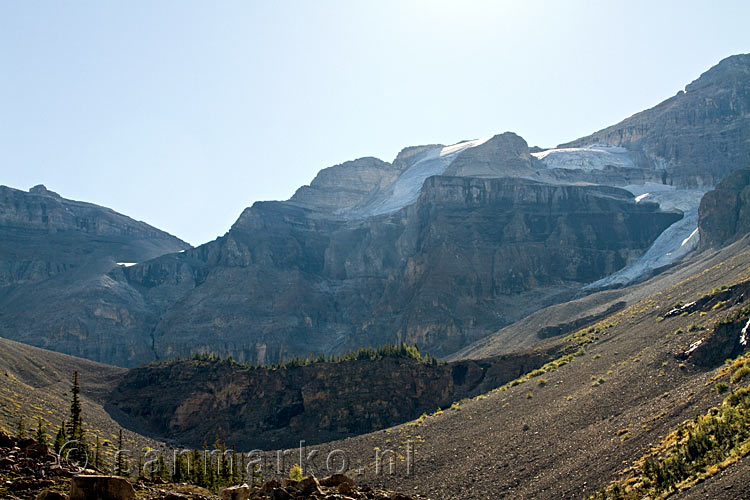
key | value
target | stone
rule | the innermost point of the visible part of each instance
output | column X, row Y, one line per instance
column 241, row 492
column 309, row 486
column 334, row 480
column 6, row 441
column 87, row 487
column 345, row 488
column 280, row 494
column 36, row 450
column 51, row 495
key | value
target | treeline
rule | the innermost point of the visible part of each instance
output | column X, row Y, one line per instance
column 401, row 350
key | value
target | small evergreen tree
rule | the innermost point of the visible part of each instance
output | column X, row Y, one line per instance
column 98, row 455
column 60, row 438
column 120, row 464
column 41, row 432
column 75, row 427
column 21, row 428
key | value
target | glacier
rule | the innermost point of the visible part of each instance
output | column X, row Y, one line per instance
column 591, row 157
column 673, row 244
column 407, row 187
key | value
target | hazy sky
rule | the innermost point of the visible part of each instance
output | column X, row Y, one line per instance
column 182, row 113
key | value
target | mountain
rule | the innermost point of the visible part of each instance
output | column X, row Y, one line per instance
column 699, row 136
column 54, row 258
column 440, row 247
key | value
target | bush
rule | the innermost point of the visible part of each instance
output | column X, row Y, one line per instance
column 722, row 387
column 739, row 374
column 295, row 473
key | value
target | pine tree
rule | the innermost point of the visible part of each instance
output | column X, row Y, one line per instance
column 120, row 461
column 21, row 428
column 41, row 432
column 98, row 455
column 60, row 438
column 75, row 426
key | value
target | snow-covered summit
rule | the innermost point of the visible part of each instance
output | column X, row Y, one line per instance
column 407, row 187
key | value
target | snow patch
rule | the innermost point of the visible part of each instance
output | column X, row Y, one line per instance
column 592, row 157
column 673, row 243
column 743, row 335
column 126, row 264
column 407, row 187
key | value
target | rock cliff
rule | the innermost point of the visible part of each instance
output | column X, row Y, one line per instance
column 725, row 212
column 192, row 401
column 470, row 256
column 54, row 258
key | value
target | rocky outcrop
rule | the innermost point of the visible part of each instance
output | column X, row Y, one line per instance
column 344, row 186
column 699, row 136
column 504, row 155
column 724, row 214
column 191, row 402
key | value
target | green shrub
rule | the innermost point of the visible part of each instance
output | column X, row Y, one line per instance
column 295, row 473
column 722, row 387
column 739, row 374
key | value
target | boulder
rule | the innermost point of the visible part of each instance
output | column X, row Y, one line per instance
column 309, row 486
column 281, row 494
column 241, row 492
column 6, row 441
column 51, row 495
column 36, row 450
column 334, row 480
column 86, row 487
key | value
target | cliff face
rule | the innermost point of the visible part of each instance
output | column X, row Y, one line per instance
column 470, row 256
column 191, row 402
column 699, row 136
column 45, row 235
column 54, row 258
column 725, row 211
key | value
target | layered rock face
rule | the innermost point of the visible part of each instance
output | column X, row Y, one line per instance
column 191, row 402
column 725, row 211
column 54, row 258
column 699, row 136
column 470, row 256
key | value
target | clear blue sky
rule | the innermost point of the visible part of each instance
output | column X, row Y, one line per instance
column 182, row 113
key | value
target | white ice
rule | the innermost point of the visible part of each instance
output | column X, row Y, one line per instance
column 673, row 244
column 407, row 187
column 743, row 337
column 592, row 157
column 126, row 264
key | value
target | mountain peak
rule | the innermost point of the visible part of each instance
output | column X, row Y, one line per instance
column 727, row 71
column 42, row 190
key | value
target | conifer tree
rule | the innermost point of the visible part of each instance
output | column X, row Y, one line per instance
column 60, row 438
column 41, row 432
column 98, row 455
column 120, row 460
column 21, row 428
column 75, row 426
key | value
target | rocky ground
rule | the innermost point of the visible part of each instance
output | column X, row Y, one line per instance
column 30, row 470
